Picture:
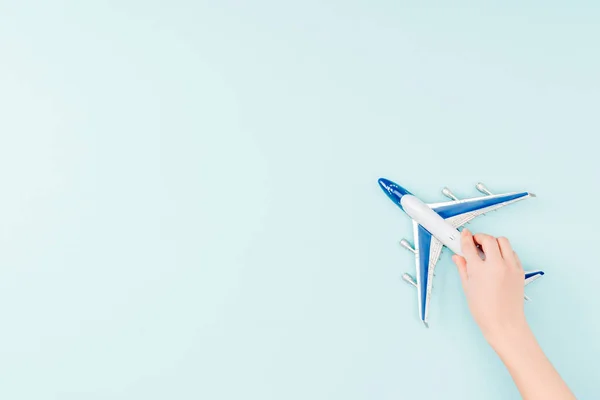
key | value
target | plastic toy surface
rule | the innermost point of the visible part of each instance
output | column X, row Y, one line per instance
column 435, row 226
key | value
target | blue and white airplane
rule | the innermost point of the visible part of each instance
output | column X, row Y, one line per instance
column 435, row 226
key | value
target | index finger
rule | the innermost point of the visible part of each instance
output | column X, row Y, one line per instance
column 489, row 244
column 468, row 247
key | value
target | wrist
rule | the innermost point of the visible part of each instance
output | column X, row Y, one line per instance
column 509, row 336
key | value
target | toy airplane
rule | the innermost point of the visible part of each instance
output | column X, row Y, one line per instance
column 435, row 225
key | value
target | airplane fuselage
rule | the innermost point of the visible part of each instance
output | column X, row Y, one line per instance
column 430, row 220
column 423, row 215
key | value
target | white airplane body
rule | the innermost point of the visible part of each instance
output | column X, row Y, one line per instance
column 435, row 226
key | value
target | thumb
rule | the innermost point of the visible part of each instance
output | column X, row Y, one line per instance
column 461, row 265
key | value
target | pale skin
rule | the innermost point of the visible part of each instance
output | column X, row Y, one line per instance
column 494, row 288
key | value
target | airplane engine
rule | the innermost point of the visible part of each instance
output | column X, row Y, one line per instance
column 481, row 187
column 404, row 243
column 448, row 193
column 409, row 279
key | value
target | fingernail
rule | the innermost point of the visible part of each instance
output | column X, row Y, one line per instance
column 466, row 232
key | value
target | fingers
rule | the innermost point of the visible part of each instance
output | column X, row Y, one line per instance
column 508, row 254
column 468, row 245
column 506, row 251
column 518, row 260
column 461, row 265
column 489, row 244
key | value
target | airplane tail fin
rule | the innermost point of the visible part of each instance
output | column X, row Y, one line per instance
column 533, row 275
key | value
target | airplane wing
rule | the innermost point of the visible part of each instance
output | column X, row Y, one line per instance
column 427, row 253
column 459, row 212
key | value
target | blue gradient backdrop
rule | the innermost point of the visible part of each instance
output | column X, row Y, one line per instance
column 190, row 207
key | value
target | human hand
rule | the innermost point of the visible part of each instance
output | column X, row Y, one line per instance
column 494, row 287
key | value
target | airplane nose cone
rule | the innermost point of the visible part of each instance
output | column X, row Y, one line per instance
column 392, row 190
column 385, row 184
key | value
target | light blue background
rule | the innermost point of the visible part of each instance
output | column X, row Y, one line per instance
column 190, row 207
